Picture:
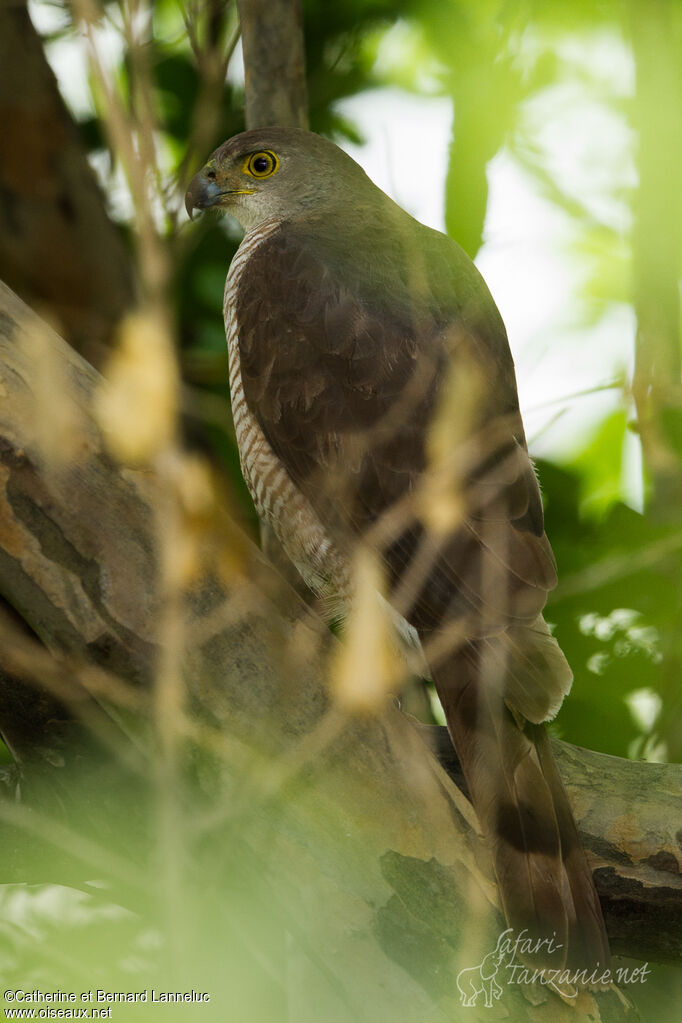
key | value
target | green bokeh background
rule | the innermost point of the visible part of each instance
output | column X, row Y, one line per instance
column 617, row 610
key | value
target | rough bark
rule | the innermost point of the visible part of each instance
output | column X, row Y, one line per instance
column 58, row 248
column 78, row 560
column 629, row 822
column 274, row 62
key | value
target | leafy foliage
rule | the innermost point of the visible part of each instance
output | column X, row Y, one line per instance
column 619, row 566
column 618, row 609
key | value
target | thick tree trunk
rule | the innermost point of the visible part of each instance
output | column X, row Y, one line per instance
column 79, row 562
column 58, row 248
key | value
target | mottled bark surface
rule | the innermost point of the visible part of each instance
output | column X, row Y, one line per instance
column 630, row 823
column 78, row 561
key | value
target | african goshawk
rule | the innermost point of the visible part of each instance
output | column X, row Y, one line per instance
column 355, row 333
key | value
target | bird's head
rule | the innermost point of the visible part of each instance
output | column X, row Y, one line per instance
column 275, row 173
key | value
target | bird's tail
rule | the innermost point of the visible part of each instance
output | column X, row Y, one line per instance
column 545, row 883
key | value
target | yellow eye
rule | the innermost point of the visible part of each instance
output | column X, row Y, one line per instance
column 261, row 165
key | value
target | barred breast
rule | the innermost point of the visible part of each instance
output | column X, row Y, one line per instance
column 277, row 499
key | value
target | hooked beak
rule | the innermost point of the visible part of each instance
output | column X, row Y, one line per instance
column 202, row 192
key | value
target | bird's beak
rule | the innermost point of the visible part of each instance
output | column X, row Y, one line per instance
column 202, row 192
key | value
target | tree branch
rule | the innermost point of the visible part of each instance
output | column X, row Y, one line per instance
column 78, row 561
column 629, row 822
column 274, row 63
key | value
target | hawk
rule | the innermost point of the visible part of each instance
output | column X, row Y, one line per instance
column 372, row 383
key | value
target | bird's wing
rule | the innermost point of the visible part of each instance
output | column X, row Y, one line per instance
column 352, row 346
column 352, row 343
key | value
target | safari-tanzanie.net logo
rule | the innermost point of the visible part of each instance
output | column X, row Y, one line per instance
column 505, row 967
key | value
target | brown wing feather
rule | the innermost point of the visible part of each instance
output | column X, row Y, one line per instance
column 343, row 377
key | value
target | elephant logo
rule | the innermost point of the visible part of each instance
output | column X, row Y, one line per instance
column 473, row 981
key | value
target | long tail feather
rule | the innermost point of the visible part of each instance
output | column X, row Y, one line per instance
column 545, row 883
